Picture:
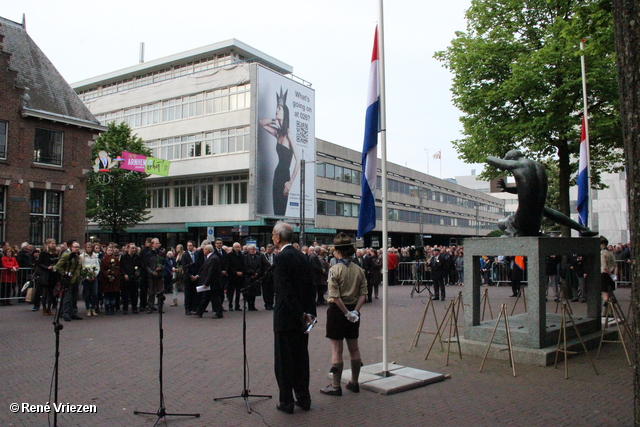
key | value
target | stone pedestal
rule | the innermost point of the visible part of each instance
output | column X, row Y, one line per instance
column 535, row 329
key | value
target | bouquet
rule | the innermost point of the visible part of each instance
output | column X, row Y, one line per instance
column 88, row 272
column 111, row 276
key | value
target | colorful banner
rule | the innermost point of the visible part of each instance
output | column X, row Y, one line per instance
column 140, row 163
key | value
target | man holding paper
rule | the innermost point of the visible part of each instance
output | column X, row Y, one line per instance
column 209, row 283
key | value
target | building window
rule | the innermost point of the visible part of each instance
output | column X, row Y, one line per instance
column 48, row 147
column 232, row 190
column 45, row 217
column 3, row 139
column 201, row 144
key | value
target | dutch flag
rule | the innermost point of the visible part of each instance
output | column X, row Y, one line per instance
column 367, row 217
column 583, row 180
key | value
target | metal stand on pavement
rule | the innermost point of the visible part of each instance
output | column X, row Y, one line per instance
column 484, row 301
column 562, row 299
column 420, row 330
column 503, row 313
column 524, row 300
column 612, row 308
column 562, row 338
column 450, row 318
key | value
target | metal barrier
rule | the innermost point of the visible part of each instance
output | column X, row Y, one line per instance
column 624, row 271
column 11, row 291
column 409, row 272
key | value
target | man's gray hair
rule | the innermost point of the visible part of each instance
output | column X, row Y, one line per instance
column 208, row 247
column 251, row 246
column 205, row 243
column 317, row 250
column 284, row 231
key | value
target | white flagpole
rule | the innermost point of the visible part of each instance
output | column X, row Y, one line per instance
column 586, row 134
column 383, row 153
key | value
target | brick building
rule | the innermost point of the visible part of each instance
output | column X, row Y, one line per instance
column 45, row 131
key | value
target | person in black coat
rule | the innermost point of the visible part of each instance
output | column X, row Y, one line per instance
column 189, row 277
column 266, row 263
column 294, row 309
column 437, row 265
column 210, row 275
column 253, row 272
column 235, row 271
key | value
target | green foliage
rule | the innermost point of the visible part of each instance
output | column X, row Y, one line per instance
column 517, row 80
column 119, row 203
column 496, row 233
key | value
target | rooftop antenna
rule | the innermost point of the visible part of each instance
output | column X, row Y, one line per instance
column 24, row 22
column 141, row 52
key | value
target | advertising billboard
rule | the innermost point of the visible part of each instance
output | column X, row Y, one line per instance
column 285, row 127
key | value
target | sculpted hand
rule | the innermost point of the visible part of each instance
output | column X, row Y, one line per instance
column 501, row 185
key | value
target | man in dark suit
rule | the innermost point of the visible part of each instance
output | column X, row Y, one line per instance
column 294, row 308
column 210, row 276
column 236, row 270
column 189, row 277
column 266, row 261
column 437, row 274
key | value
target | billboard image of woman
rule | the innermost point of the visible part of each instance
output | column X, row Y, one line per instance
column 283, row 179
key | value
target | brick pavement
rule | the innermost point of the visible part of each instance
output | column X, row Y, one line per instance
column 112, row 362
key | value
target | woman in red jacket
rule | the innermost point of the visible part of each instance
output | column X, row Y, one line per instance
column 8, row 275
column 110, row 280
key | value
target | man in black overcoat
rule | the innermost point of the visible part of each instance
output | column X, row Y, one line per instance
column 294, row 308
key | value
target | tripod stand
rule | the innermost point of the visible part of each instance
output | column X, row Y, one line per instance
column 246, row 394
column 161, row 412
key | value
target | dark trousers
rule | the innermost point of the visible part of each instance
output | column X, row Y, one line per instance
column 129, row 292
column 515, row 286
column 70, row 303
column 156, row 284
column 268, row 293
column 213, row 297
column 292, row 366
column 190, row 294
column 321, row 289
column 234, row 286
column 144, row 285
column 438, row 287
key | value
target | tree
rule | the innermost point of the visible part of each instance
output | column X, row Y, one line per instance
column 626, row 15
column 116, row 200
column 517, row 80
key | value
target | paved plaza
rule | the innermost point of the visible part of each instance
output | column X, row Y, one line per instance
column 112, row 362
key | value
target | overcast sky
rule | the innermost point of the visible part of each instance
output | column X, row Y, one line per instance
column 328, row 43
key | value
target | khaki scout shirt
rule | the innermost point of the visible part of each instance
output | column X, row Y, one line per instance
column 346, row 282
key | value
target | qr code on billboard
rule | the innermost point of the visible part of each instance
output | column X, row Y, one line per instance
column 302, row 132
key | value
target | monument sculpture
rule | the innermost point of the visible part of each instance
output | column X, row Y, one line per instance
column 531, row 188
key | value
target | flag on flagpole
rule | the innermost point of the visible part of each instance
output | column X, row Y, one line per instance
column 437, row 155
column 583, row 180
column 367, row 216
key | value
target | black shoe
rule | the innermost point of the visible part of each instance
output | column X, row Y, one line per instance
column 268, row 307
column 67, row 319
column 187, row 313
column 238, row 308
column 76, row 317
column 197, row 314
column 354, row 387
column 436, row 298
column 230, row 308
column 574, row 300
column 288, row 408
column 253, row 309
column 135, row 312
column 514, row 296
column 304, row 405
column 217, row 316
column 331, row 390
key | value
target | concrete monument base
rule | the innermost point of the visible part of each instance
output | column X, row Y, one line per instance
column 535, row 332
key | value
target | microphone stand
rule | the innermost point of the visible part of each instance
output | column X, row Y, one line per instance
column 57, row 327
column 161, row 412
column 245, row 392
